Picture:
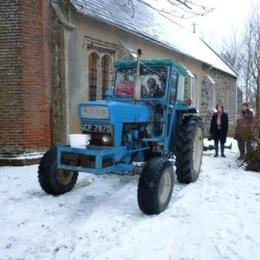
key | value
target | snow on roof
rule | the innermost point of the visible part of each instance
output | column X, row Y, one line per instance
column 149, row 23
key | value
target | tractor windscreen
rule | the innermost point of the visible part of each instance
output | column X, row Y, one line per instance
column 153, row 82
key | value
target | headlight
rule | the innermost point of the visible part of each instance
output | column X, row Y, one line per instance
column 94, row 112
column 105, row 139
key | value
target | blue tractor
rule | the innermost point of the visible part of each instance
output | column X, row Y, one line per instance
column 144, row 122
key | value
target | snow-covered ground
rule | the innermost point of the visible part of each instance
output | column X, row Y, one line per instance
column 218, row 217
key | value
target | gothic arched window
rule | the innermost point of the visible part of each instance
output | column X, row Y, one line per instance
column 93, row 75
column 106, row 71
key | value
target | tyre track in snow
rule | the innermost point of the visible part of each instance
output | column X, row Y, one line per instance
column 98, row 204
column 207, row 213
column 218, row 217
column 57, row 218
column 121, row 216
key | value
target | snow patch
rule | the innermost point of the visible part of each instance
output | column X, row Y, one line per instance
column 218, row 217
column 24, row 156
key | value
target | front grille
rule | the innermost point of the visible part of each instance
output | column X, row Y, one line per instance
column 79, row 160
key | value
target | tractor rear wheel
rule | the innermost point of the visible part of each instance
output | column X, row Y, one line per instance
column 52, row 180
column 155, row 186
column 189, row 150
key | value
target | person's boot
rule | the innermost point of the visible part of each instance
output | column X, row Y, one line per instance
column 222, row 150
column 241, row 146
column 216, row 149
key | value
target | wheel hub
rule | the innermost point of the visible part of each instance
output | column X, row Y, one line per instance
column 165, row 186
column 64, row 177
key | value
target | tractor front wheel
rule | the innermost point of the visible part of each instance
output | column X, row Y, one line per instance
column 155, row 185
column 52, row 180
column 189, row 150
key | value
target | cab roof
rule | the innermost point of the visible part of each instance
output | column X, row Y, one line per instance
column 151, row 63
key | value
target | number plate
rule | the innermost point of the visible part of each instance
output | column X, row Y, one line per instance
column 106, row 129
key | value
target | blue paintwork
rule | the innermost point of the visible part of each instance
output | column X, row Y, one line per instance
column 121, row 111
column 99, row 153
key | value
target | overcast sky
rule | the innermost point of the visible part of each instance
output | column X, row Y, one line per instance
column 228, row 17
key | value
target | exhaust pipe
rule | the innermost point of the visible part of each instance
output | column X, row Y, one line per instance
column 137, row 82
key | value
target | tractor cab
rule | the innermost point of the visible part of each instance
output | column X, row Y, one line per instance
column 159, row 79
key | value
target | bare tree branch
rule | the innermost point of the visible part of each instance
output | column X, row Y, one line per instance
column 180, row 9
column 184, row 3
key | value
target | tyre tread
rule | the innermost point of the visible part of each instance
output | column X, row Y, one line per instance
column 148, row 185
column 184, row 149
column 46, row 173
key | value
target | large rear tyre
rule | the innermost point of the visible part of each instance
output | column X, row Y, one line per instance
column 52, row 180
column 189, row 150
column 155, row 186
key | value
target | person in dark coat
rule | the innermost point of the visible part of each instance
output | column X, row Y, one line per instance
column 244, row 131
column 219, row 129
